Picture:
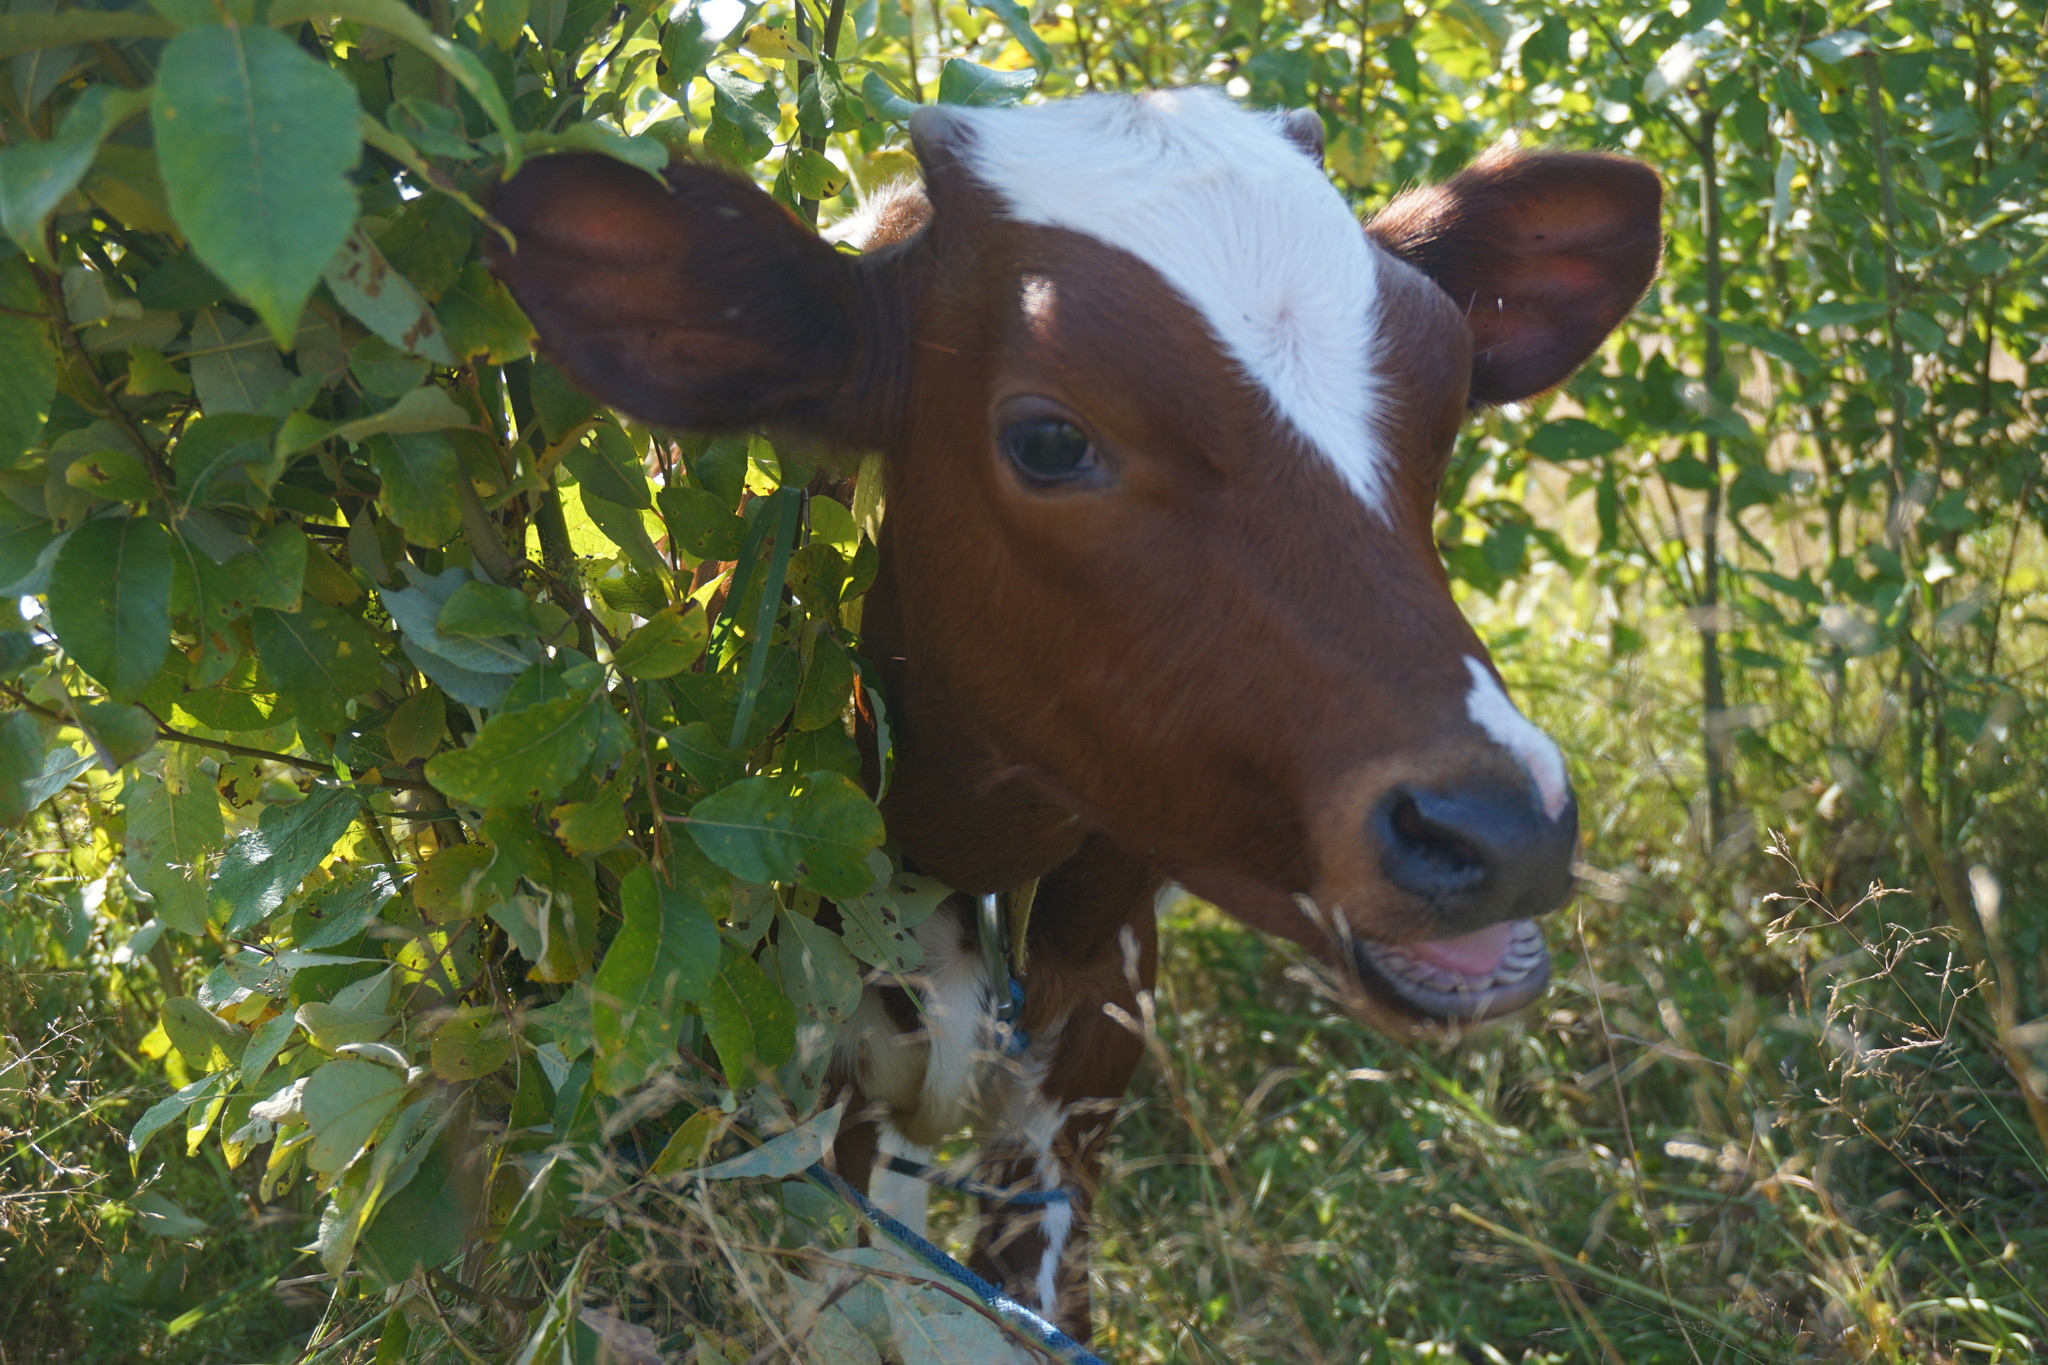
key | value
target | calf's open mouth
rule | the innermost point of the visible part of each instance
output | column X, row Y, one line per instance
column 1463, row 979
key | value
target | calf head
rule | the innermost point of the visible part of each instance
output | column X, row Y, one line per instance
column 1163, row 430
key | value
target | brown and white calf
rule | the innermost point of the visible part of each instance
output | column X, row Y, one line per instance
column 1159, row 601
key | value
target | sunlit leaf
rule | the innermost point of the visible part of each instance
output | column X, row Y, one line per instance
column 255, row 139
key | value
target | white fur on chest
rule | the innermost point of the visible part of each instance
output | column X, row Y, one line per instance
column 929, row 1078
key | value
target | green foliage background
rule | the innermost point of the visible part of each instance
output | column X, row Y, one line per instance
column 419, row 813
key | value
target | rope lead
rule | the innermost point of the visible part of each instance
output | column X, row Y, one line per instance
column 1004, row 1307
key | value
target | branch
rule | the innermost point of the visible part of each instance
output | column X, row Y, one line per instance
column 165, row 732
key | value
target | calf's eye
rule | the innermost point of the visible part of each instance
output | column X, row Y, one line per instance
column 1048, row 449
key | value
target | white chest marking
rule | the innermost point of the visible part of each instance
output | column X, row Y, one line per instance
column 1492, row 712
column 1233, row 216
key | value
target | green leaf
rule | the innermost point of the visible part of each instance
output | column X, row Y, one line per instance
column 485, row 610
column 699, row 524
column 1571, row 438
column 817, row 829
column 417, row 726
column 35, row 177
column 606, row 464
column 255, row 140
column 1017, row 20
column 226, row 446
column 319, row 656
column 22, row 747
column 1771, row 342
column 429, row 1222
column 744, row 117
column 149, row 372
column 266, row 864
column 817, row 971
column 402, row 23
column 877, row 924
column 27, row 550
column 883, row 101
column 827, row 685
column 417, row 473
column 203, row 1039
column 169, row 836
column 686, row 47
column 1687, row 470
column 110, row 602
column 666, row 954
column 670, row 642
column 520, row 757
column 982, row 87
column 344, row 1103
column 750, row 1022
column 28, row 358
column 120, row 733
column 480, row 318
column 425, row 409
column 159, row 1115
column 469, row 1046
column 622, row 525
column 699, row 751
column 417, row 610
column 815, row 176
column 592, row 826
column 30, row 32
column 781, row 1156
column 384, row 300
column 233, row 370
column 1837, row 47
column 453, row 883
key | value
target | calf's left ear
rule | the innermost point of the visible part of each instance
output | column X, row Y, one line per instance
column 700, row 303
column 1544, row 252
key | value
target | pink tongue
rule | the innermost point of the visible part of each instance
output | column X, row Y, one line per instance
column 1468, row 954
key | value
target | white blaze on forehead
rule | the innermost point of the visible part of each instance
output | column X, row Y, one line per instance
column 1237, row 219
column 1492, row 712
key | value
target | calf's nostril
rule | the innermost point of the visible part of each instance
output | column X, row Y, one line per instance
column 1434, row 851
column 1475, row 854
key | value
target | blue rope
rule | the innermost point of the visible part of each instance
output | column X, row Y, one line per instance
column 1019, row 1041
column 932, row 1175
column 1005, row 1307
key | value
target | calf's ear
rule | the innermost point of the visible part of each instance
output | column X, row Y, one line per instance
column 1544, row 252
column 700, row 303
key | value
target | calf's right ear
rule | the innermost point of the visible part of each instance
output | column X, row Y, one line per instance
column 1544, row 252
column 701, row 304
